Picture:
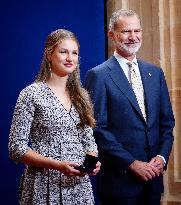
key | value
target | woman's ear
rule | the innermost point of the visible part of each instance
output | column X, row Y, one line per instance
column 48, row 56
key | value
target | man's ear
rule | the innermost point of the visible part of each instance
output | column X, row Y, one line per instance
column 111, row 35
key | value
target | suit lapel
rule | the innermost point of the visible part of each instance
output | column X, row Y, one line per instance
column 119, row 78
column 146, row 76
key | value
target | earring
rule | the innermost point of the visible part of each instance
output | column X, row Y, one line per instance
column 49, row 69
column 79, row 61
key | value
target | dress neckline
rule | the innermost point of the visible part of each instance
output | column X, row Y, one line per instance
column 54, row 95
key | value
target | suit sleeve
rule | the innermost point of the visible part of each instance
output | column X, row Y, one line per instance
column 167, row 121
column 108, row 146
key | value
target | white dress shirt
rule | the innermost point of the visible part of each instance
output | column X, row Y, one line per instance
column 123, row 63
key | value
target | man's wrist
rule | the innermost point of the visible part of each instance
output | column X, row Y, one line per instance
column 163, row 158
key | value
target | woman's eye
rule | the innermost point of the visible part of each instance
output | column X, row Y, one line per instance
column 75, row 53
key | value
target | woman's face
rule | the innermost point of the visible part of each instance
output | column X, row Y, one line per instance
column 64, row 59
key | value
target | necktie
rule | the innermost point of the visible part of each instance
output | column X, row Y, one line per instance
column 137, row 87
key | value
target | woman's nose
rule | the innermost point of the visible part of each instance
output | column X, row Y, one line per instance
column 69, row 57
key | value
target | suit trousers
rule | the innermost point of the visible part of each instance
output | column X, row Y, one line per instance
column 146, row 197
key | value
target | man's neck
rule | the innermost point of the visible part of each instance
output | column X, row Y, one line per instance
column 129, row 58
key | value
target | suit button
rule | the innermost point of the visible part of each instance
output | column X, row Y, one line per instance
column 147, row 131
column 146, row 149
column 123, row 172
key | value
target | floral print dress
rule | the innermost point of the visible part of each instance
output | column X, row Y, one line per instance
column 41, row 123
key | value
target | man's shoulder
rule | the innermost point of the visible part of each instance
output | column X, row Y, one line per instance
column 142, row 62
column 150, row 67
column 102, row 67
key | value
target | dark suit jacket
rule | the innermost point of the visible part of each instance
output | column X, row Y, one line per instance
column 121, row 133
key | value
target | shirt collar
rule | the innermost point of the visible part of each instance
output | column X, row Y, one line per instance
column 124, row 60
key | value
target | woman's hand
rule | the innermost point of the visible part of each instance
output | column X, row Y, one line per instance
column 96, row 170
column 68, row 169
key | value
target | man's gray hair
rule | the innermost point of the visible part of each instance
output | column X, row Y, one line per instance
column 122, row 12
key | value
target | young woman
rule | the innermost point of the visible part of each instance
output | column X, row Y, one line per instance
column 51, row 130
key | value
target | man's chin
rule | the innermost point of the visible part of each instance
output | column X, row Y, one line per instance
column 129, row 50
column 132, row 50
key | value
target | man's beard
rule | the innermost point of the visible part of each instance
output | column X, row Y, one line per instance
column 129, row 50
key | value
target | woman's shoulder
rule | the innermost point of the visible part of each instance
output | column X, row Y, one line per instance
column 31, row 90
column 35, row 86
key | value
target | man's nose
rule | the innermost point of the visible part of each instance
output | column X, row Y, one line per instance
column 133, row 36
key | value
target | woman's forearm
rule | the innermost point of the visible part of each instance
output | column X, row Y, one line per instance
column 34, row 159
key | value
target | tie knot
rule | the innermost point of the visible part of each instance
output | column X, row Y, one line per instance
column 129, row 64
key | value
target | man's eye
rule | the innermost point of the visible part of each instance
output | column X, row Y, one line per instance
column 126, row 31
column 137, row 31
column 62, row 51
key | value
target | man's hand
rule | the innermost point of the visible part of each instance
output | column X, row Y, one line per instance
column 144, row 170
column 158, row 163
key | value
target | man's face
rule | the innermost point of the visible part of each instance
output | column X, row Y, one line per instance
column 127, row 36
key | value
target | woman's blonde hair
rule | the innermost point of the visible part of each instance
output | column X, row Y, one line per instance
column 78, row 94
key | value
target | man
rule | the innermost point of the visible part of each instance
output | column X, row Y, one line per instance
column 134, row 117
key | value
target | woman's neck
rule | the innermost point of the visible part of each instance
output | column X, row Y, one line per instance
column 57, row 82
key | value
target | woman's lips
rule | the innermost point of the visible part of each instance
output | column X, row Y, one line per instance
column 68, row 65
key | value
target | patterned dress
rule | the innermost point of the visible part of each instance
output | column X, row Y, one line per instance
column 41, row 123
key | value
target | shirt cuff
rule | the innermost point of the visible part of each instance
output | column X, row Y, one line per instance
column 162, row 158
